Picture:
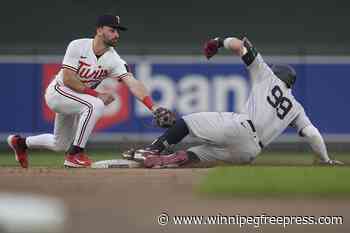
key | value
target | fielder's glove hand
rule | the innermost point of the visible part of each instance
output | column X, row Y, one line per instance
column 164, row 118
column 211, row 47
column 331, row 162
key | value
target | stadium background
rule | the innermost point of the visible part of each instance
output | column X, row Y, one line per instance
column 179, row 27
column 163, row 45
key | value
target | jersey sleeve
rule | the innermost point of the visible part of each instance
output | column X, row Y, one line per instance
column 120, row 69
column 71, row 58
column 259, row 70
column 300, row 121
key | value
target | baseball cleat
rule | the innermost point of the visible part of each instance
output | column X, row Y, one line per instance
column 174, row 160
column 129, row 154
column 16, row 142
column 139, row 155
column 79, row 160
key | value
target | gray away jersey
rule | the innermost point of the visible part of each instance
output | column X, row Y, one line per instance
column 271, row 105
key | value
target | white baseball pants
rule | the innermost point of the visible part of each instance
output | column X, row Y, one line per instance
column 76, row 116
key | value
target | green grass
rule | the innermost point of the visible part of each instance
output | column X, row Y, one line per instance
column 287, row 158
column 44, row 158
column 51, row 159
column 283, row 181
column 272, row 174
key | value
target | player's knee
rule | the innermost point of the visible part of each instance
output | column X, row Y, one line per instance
column 243, row 158
column 98, row 107
column 246, row 159
column 58, row 147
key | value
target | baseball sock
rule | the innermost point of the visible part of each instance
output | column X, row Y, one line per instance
column 22, row 143
column 75, row 150
column 171, row 137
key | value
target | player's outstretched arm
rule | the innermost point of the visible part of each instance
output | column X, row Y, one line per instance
column 163, row 117
column 242, row 48
column 139, row 90
column 235, row 45
column 211, row 47
column 315, row 139
column 256, row 65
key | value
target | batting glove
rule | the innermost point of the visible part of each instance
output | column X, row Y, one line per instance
column 211, row 46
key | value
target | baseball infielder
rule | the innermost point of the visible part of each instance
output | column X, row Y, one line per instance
column 239, row 137
column 72, row 95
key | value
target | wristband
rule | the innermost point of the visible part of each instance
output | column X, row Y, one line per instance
column 251, row 53
column 147, row 101
column 89, row 91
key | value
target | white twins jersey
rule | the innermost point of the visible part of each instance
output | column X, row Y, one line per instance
column 91, row 70
column 271, row 105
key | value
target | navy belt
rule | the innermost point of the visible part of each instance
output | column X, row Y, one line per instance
column 254, row 130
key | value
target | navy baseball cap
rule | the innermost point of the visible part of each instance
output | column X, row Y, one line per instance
column 111, row 21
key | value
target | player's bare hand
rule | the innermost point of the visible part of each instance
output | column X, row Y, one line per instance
column 106, row 98
column 331, row 162
column 211, row 47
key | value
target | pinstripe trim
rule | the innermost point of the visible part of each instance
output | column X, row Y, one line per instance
column 90, row 107
column 121, row 76
column 69, row 67
column 90, row 81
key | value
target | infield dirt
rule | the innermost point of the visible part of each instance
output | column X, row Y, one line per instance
column 129, row 200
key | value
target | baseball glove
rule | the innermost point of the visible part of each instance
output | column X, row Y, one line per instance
column 164, row 118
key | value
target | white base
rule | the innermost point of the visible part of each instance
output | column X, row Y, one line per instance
column 116, row 163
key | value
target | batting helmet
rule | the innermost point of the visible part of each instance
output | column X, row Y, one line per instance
column 286, row 73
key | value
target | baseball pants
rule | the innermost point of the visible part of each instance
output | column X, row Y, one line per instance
column 226, row 136
column 76, row 116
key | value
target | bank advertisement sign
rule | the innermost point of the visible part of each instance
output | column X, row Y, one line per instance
column 184, row 87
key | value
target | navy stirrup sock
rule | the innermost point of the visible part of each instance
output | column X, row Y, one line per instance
column 172, row 136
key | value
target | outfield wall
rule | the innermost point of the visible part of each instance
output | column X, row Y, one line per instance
column 184, row 84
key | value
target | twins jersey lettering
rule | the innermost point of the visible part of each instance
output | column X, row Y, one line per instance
column 77, row 113
column 91, row 70
column 271, row 105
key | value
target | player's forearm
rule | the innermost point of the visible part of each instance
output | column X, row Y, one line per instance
column 71, row 81
column 314, row 138
column 139, row 90
column 243, row 48
column 235, row 45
